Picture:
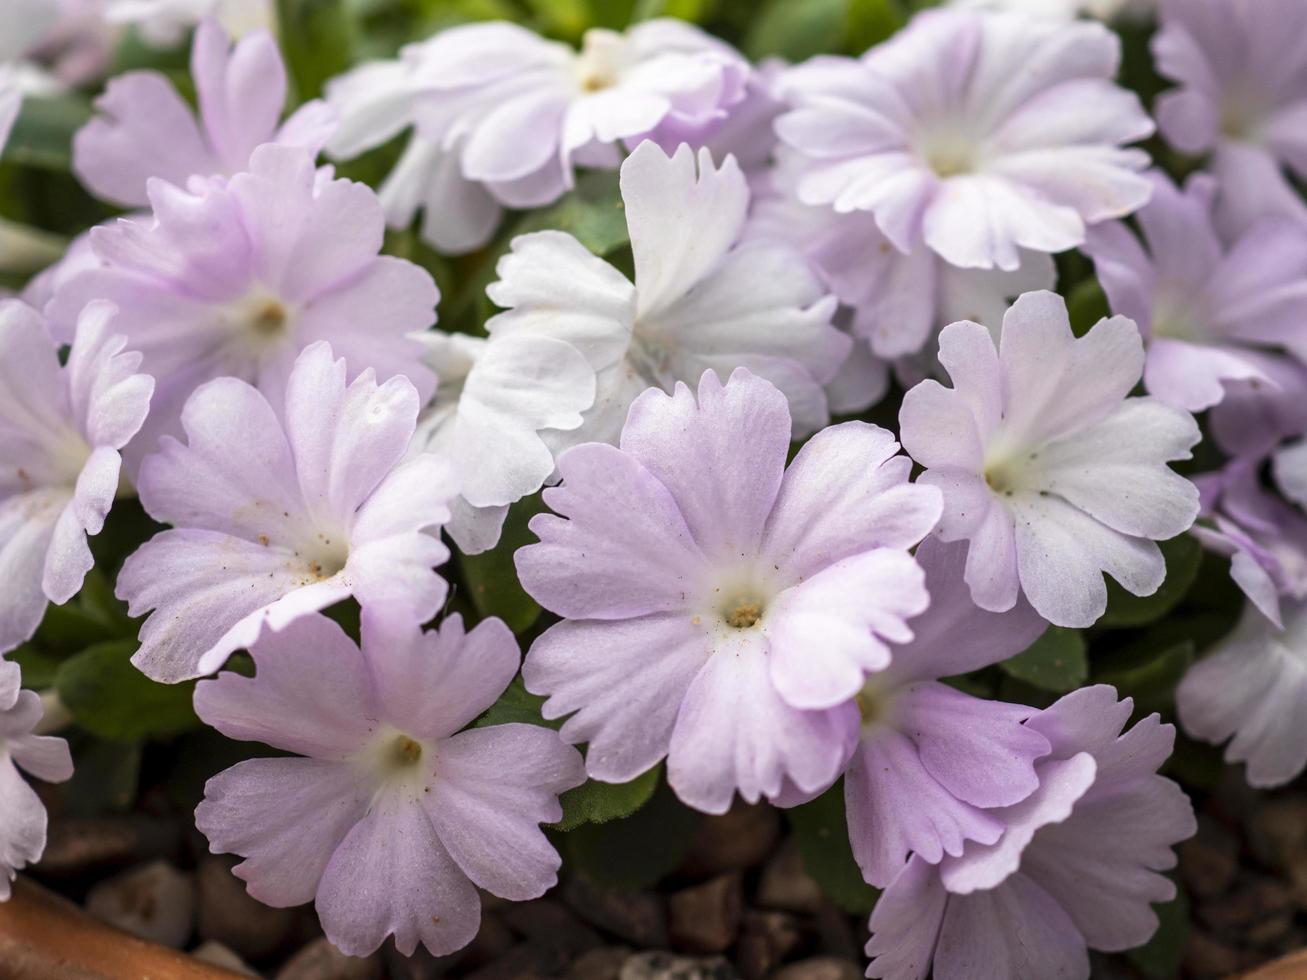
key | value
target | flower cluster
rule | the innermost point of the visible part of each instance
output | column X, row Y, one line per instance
column 683, row 299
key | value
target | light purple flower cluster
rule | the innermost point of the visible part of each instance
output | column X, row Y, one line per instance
column 765, row 624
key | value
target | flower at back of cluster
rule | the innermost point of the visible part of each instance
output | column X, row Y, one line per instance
column 234, row 277
column 165, row 22
column 720, row 609
column 1047, row 468
column 278, row 514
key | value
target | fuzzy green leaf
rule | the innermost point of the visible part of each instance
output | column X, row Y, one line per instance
column 1054, row 662
column 636, row 851
column 112, row 699
column 821, row 830
column 1183, row 555
column 596, row 802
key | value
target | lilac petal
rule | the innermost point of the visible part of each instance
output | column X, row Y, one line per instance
column 906, row 922
column 22, row 835
column 108, row 398
column 27, row 522
column 46, row 757
column 311, row 695
column 69, row 557
column 241, row 91
column 493, row 788
column 286, row 817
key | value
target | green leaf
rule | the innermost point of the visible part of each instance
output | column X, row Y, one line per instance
column 1086, row 304
column 105, row 777
column 634, row 852
column 797, row 29
column 695, row 11
column 567, row 19
column 1147, row 672
column 38, row 666
column 1159, row 958
column 596, row 802
column 1054, row 662
column 69, row 627
column 592, row 213
column 491, row 576
column 1183, row 555
column 822, row 833
column 317, row 38
column 516, row 704
column 43, row 135
column 112, row 699
column 872, row 21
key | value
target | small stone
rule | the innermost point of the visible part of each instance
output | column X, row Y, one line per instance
column 493, row 940
column 229, row 915
column 787, row 885
column 77, row 845
column 639, row 918
column 669, row 966
column 820, row 968
column 216, row 954
column 734, row 841
column 1254, row 899
column 154, row 901
column 1209, row 860
column 548, row 921
column 525, row 961
column 604, row 963
column 320, row 960
column 1277, row 830
column 706, row 918
column 1207, row 957
column 766, row 938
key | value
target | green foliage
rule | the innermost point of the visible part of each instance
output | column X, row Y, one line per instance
column 1086, row 304
column 1159, row 958
column 1054, row 662
column 317, row 39
column 1183, row 555
column 634, row 852
column 110, row 698
column 105, row 778
column 821, row 832
column 596, row 802
column 799, row 29
column 43, row 135
column 491, row 576
column 516, row 704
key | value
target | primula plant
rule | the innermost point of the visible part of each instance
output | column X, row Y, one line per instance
column 453, row 450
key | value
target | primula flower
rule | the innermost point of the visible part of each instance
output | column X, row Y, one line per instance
column 494, row 400
column 146, row 129
column 165, row 22
column 11, row 101
column 977, row 133
column 275, row 517
column 238, row 276
column 721, row 610
column 395, row 817
column 22, row 815
column 1047, row 468
column 1077, row 865
column 60, row 432
column 932, row 759
column 1290, row 468
column 1252, row 689
column 698, row 302
column 1208, row 312
column 1242, row 97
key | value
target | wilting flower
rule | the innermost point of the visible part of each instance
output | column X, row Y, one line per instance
column 1208, row 312
column 165, row 22
column 238, row 276
column 60, row 432
column 1242, row 96
column 1047, row 468
column 699, row 301
column 494, row 400
column 977, row 133
column 1252, row 689
column 1077, row 865
column 395, row 817
column 277, row 516
column 931, row 759
column 721, row 610
column 146, row 129
column 22, row 815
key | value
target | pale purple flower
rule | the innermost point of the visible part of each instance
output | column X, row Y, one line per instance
column 238, row 276
column 495, row 399
column 61, row 428
column 1076, row 868
column 165, row 22
column 1208, row 312
column 1047, row 468
column 394, row 817
column 1252, row 689
column 721, row 610
column 146, row 129
column 1290, row 468
column 931, row 759
column 1257, row 415
column 22, row 814
column 1242, row 97
column 1065, row 10
column 699, row 301
column 979, row 134
column 277, row 515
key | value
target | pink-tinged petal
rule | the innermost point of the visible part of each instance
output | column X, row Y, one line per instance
column 459, row 215
column 846, row 491
column 391, row 875
column 493, row 788
column 938, row 427
column 414, row 496
column 68, row 557
column 622, row 683
column 968, row 503
column 825, row 634
column 736, row 734
column 241, row 91
column 22, row 834
column 982, row 222
column 1290, row 468
column 954, row 635
column 681, row 222
column 27, row 522
column 286, row 817
column 399, row 574
column 980, row 751
column 1193, row 377
column 144, row 129
column 46, row 757
column 897, row 809
column 311, row 695
column 339, row 240
column 518, row 137
column 905, row 924
column 681, row 439
column 11, row 682
column 108, row 397
column 430, row 684
column 1014, row 930
column 993, row 561
column 34, row 404
column 620, row 547
column 983, row 867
